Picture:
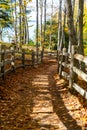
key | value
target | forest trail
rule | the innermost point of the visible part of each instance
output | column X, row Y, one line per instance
column 36, row 99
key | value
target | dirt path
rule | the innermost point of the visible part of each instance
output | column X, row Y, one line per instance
column 35, row 99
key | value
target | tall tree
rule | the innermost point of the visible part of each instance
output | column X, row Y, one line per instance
column 72, row 32
column 20, row 21
column 73, row 8
column 25, row 27
column 80, row 37
column 16, row 37
column 37, row 29
column 73, row 5
column 59, row 23
column 62, row 42
column 80, row 34
column 45, row 1
column 41, row 16
column 50, row 44
column 23, row 23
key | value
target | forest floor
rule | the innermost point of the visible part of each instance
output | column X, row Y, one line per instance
column 36, row 99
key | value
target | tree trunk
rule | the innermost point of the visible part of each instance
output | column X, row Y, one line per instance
column 72, row 35
column 59, row 23
column 45, row 20
column 72, row 32
column 80, row 32
column 80, row 37
column 73, row 6
column 25, row 23
column 41, row 16
column 20, row 21
column 27, row 31
column 62, row 44
column 50, row 44
column 0, row 34
column 16, row 37
column 37, row 22
column 59, row 30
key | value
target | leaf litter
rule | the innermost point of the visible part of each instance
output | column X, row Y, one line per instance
column 20, row 98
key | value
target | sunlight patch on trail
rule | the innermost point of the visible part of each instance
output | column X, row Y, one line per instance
column 39, row 83
column 43, row 111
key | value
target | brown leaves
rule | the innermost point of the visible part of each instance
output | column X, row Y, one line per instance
column 35, row 98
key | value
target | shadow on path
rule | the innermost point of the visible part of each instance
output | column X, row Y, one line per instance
column 59, row 106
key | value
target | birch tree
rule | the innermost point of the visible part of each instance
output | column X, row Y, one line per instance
column 59, row 23
column 16, row 37
column 41, row 16
column 37, row 29
column 50, row 44
column 45, row 1
column 20, row 21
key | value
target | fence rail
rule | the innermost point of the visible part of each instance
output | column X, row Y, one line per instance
column 50, row 54
column 10, row 58
column 69, row 66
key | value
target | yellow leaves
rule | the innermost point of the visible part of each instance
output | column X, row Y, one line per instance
column 66, row 29
column 60, row 82
column 84, row 119
column 2, row 21
column 25, row 3
column 85, row 50
column 3, row 6
column 48, row 32
column 30, row 0
column 44, row 43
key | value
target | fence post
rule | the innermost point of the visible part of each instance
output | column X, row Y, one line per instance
column 33, row 58
column 0, row 57
column 23, row 58
column 73, row 76
column 42, row 52
column 3, row 50
column 62, row 59
column 58, row 60
column 57, row 54
column 13, row 58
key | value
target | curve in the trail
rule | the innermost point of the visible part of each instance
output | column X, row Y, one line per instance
column 39, row 104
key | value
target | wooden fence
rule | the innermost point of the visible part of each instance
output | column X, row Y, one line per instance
column 11, row 59
column 50, row 54
column 70, row 69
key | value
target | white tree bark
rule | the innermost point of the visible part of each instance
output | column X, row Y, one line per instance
column 59, row 23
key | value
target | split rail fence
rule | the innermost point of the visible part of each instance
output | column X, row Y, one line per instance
column 50, row 54
column 11, row 59
column 69, row 66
